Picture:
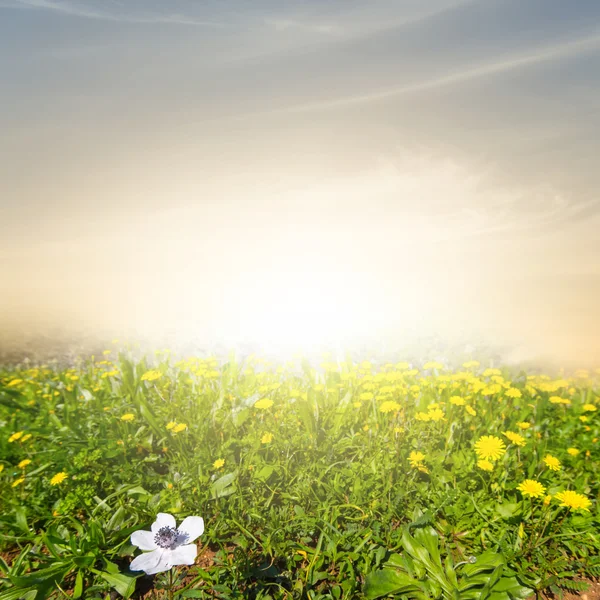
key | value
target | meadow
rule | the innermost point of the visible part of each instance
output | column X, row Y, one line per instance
column 323, row 480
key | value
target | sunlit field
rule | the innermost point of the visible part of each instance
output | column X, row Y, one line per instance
column 324, row 479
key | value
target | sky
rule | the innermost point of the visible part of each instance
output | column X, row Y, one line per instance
column 302, row 172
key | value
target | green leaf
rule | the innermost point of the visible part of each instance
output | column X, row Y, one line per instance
column 19, row 594
column 21, row 519
column 78, row 589
column 265, row 472
column 507, row 509
column 386, row 581
column 222, row 486
column 124, row 584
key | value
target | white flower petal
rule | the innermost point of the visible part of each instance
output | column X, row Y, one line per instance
column 144, row 540
column 146, row 561
column 164, row 563
column 163, row 520
column 193, row 527
column 183, row 555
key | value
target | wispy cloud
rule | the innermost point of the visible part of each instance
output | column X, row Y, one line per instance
column 76, row 10
column 282, row 24
column 558, row 51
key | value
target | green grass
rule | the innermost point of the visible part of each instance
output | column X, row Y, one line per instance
column 312, row 496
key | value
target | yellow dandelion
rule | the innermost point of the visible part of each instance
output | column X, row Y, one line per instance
column 1, row 468
column 573, row 500
column 547, row 500
column 16, row 436
column 267, row 438
column 128, row 417
column 485, row 465
column 179, row 428
column 552, row 462
column 17, row 482
column 366, row 396
column 523, row 425
column 151, row 375
column 515, row 438
column 389, row 406
column 573, row 451
column 513, row 393
column 437, row 414
column 471, row 410
column 58, row 478
column 589, row 407
column 422, row 416
column 264, row 403
column 416, row 459
column 583, row 419
column 490, row 447
column 357, row 404
column 24, row 463
column 457, row 401
column 531, row 488
column 558, row 400
column 171, row 424
column 218, row 463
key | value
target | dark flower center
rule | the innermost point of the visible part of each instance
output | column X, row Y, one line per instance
column 167, row 537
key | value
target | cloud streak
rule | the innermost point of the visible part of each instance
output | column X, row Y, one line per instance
column 76, row 11
column 559, row 51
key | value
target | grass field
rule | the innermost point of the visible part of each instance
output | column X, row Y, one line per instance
column 332, row 480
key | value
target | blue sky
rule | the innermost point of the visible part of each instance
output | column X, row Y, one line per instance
column 458, row 137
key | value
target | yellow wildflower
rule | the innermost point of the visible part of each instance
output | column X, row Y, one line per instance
column 523, row 425
column 531, row 488
column 490, row 447
column 151, row 375
column 16, row 436
column 416, row 461
column 513, row 393
column 389, row 406
column 471, row 410
column 267, row 438
column 573, row 500
column 457, row 401
column 485, row 465
column 589, row 407
column 128, row 417
column 171, row 424
column 17, row 482
column 573, row 451
column 515, row 438
column 24, row 463
column 58, row 478
column 437, row 414
column 218, row 463
column 552, row 462
column 264, row 403
column 179, row 428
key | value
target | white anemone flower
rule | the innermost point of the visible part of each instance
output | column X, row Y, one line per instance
column 169, row 545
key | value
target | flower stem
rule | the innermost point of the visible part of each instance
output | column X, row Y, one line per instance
column 170, row 588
